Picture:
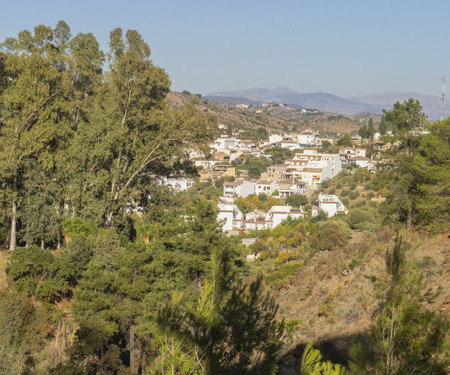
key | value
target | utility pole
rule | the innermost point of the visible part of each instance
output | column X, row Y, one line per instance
column 443, row 98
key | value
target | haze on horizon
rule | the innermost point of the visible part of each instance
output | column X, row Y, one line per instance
column 347, row 48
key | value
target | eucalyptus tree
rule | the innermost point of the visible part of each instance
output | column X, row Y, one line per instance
column 131, row 133
column 46, row 76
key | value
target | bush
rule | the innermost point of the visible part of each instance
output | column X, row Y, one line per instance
column 75, row 227
column 344, row 192
column 363, row 218
column 35, row 272
column 331, row 236
column 354, row 195
column 297, row 200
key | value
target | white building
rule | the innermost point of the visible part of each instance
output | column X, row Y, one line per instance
column 306, row 139
column 238, row 188
column 178, row 184
column 265, row 186
column 330, row 204
column 275, row 138
column 255, row 220
column 360, row 161
column 231, row 217
column 277, row 214
column 313, row 167
column 350, row 152
column 224, row 143
column 290, row 187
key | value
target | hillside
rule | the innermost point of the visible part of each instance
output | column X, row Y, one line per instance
column 333, row 298
column 274, row 117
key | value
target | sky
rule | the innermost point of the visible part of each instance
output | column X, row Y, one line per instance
column 345, row 47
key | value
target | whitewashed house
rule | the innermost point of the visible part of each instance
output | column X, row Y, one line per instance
column 306, row 139
column 290, row 187
column 238, row 188
column 330, row 204
column 360, row 161
column 350, row 152
column 231, row 217
column 265, row 186
column 277, row 214
column 255, row 220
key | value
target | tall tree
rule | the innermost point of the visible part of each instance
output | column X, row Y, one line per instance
column 131, row 133
column 403, row 118
column 40, row 104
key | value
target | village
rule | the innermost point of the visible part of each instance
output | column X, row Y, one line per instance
column 301, row 174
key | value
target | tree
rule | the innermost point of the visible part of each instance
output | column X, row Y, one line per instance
column 297, row 200
column 402, row 188
column 40, row 103
column 403, row 117
column 345, row 140
column 132, row 131
column 363, row 131
column 370, row 129
column 432, row 176
column 234, row 326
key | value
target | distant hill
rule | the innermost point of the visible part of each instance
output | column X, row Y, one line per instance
column 258, row 94
column 231, row 100
column 327, row 102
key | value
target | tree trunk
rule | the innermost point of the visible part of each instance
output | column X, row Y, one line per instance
column 135, row 354
column 12, row 241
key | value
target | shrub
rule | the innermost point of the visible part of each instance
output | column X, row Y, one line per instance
column 345, row 192
column 363, row 218
column 354, row 195
column 330, row 236
column 297, row 200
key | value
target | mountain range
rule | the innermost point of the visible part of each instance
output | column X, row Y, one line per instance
column 373, row 103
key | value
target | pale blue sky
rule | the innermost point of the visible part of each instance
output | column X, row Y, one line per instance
column 345, row 47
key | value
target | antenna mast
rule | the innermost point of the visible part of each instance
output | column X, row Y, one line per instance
column 443, row 98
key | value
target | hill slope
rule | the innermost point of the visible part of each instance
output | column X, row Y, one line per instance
column 273, row 118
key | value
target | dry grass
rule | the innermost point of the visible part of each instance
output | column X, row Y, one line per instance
column 334, row 298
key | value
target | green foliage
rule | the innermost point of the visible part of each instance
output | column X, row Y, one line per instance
column 296, row 200
column 330, row 236
column 252, row 202
column 403, row 117
column 345, row 140
column 366, row 218
column 417, row 179
column 76, row 227
column 255, row 166
column 37, row 272
column 233, row 327
column 312, row 364
column 279, row 155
